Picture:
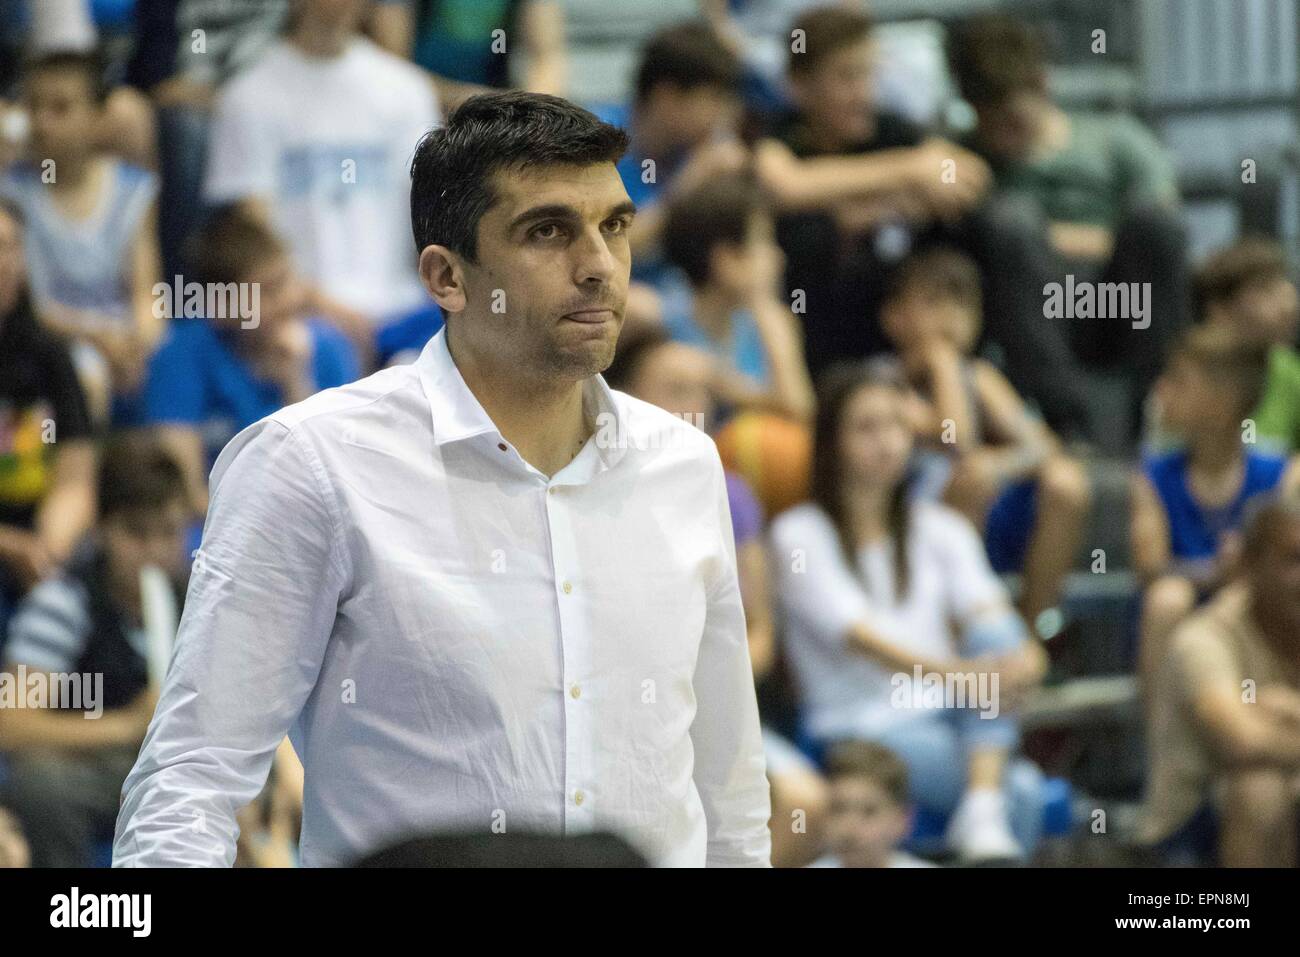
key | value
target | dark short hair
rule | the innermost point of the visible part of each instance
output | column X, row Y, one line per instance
column 873, row 762
column 1228, row 359
column 825, row 31
column 87, row 63
column 231, row 244
column 1230, row 270
column 943, row 270
column 687, row 55
column 993, row 57
column 1264, row 516
column 715, row 212
column 636, row 342
column 136, row 472
column 451, row 172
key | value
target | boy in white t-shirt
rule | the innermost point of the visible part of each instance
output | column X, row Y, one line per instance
column 318, row 135
column 870, row 814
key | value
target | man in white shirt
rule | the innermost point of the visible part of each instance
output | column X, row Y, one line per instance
column 318, row 135
column 484, row 591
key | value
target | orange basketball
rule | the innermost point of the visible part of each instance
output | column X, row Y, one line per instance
column 773, row 454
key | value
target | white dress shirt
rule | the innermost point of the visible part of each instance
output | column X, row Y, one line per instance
column 453, row 640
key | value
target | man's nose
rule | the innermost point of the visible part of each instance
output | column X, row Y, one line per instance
column 593, row 261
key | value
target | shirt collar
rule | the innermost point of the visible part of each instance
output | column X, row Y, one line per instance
column 458, row 414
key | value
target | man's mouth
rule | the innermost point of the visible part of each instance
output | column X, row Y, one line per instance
column 590, row 315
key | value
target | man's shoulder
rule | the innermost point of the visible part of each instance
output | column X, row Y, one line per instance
column 336, row 408
column 646, row 426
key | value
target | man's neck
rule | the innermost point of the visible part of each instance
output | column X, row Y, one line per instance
column 544, row 421
column 320, row 42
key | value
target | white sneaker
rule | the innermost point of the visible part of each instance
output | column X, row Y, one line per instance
column 979, row 829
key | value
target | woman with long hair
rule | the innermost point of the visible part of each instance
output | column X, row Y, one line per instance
column 897, row 629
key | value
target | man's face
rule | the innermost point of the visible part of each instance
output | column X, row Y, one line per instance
column 1268, row 311
column 865, row 824
column 63, row 113
column 1008, row 128
column 758, row 259
column 695, row 115
column 550, row 285
column 676, row 377
column 13, row 268
column 281, row 295
column 838, row 96
column 135, row 538
column 1190, row 400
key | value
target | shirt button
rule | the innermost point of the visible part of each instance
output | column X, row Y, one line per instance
column 501, row 446
column 567, row 587
column 578, row 797
column 575, row 692
column 552, row 489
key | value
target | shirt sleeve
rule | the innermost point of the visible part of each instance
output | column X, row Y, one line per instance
column 1147, row 173
column 258, row 616
column 814, row 583
column 50, row 627
column 730, row 771
column 973, row 587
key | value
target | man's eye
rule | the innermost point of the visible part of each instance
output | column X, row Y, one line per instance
column 547, row 231
column 617, row 226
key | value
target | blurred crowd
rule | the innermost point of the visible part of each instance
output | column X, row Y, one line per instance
column 887, row 320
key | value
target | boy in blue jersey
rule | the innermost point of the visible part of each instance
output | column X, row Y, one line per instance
column 683, row 125
column 214, row 376
column 1189, row 504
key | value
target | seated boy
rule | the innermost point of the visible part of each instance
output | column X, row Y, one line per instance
column 870, row 814
column 1188, row 504
column 67, row 764
column 993, row 460
column 1096, row 195
column 728, row 302
column 214, row 376
column 1225, row 736
column 1247, row 286
column 92, row 248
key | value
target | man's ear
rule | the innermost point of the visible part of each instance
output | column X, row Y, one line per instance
column 442, row 274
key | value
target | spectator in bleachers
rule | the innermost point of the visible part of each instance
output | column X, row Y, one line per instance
column 727, row 300
column 683, row 125
column 981, row 449
column 214, row 376
column 1248, row 287
column 677, row 377
column 47, row 457
column 1097, row 192
column 67, row 769
column 853, row 182
column 1226, row 713
column 317, row 137
column 92, row 250
column 1188, row 503
column 874, row 585
column 870, row 812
